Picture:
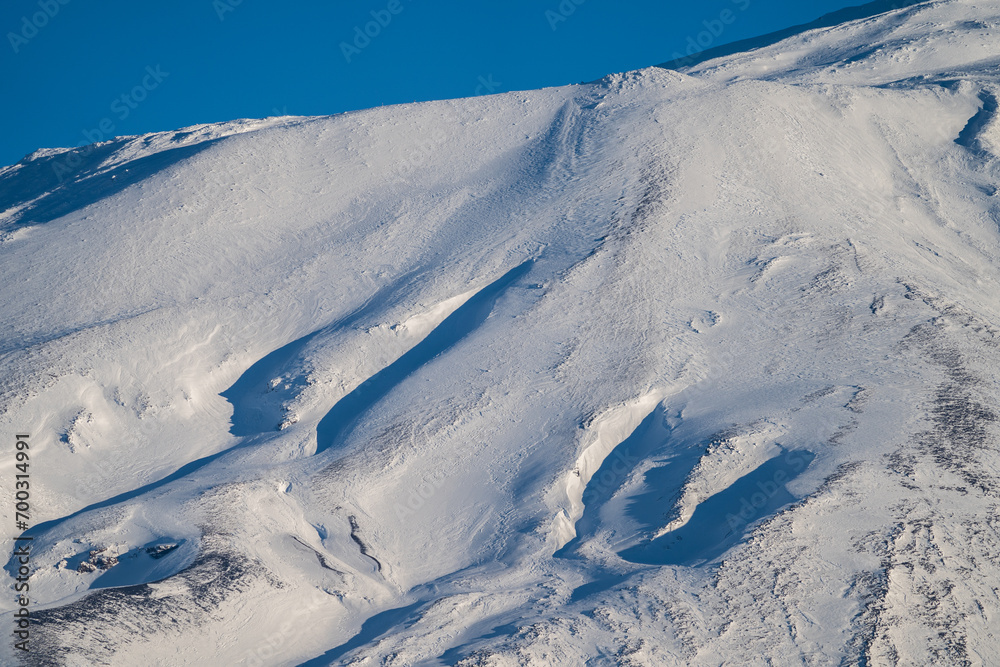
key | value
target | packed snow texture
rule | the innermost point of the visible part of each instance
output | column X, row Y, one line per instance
column 693, row 367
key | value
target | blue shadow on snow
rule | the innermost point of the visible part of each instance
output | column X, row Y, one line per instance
column 720, row 522
column 372, row 629
column 344, row 415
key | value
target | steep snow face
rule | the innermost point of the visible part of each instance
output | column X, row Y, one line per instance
column 671, row 368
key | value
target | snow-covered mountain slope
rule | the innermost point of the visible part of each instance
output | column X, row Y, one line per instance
column 688, row 367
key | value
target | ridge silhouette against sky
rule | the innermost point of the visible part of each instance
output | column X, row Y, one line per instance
column 75, row 73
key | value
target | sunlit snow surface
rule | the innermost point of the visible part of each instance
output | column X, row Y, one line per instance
column 688, row 367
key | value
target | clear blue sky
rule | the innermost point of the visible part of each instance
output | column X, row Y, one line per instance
column 66, row 64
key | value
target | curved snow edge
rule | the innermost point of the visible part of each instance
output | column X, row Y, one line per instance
column 608, row 431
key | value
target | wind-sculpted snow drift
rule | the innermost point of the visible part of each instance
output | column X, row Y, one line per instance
column 676, row 367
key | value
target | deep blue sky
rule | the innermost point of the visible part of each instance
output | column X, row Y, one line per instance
column 75, row 59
